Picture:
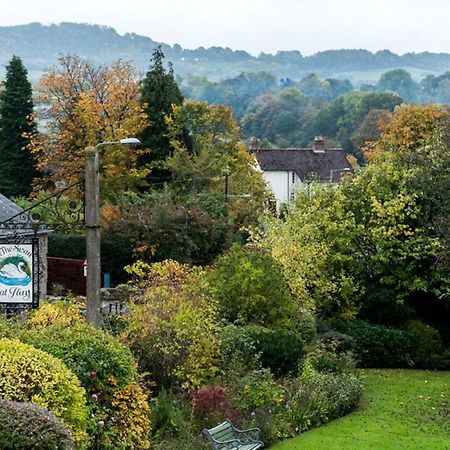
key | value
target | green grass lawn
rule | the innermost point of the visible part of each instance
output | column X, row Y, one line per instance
column 401, row 409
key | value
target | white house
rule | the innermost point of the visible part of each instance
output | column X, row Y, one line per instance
column 286, row 170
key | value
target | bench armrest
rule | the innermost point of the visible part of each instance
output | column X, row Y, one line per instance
column 248, row 436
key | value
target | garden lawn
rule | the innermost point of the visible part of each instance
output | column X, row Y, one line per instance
column 401, row 409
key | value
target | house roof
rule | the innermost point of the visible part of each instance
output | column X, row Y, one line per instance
column 8, row 208
column 325, row 164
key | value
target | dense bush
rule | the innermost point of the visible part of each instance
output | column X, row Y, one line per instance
column 127, row 422
column 251, row 289
column 162, row 225
column 319, row 398
column 62, row 245
column 212, row 405
column 25, row 426
column 63, row 313
column 172, row 424
column 98, row 359
column 107, row 370
column 429, row 350
column 174, row 327
column 237, row 352
column 258, row 390
column 280, row 351
column 28, row 374
column 379, row 346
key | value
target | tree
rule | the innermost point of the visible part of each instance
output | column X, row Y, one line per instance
column 315, row 88
column 412, row 127
column 159, row 91
column 280, row 117
column 401, row 82
column 342, row 116
column 162, row 225
column 17, row 128
column 369, row 129
column 250, row 289
column 380, row 240
column 87, row 105
column 215, row 149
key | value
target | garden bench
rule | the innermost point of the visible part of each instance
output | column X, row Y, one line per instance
column 226, row 437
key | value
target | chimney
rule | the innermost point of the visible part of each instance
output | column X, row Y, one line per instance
column 318, row 145
column 253, row 146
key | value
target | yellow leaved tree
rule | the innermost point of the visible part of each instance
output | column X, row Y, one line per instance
column 83, row 105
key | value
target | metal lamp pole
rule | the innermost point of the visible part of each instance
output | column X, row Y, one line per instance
column 92, row 221
column 227, row 172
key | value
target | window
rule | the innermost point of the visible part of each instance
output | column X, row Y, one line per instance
column 293, row 177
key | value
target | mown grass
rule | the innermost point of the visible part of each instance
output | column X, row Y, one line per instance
column 401, row 409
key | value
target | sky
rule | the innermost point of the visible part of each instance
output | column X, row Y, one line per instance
column 257, row 25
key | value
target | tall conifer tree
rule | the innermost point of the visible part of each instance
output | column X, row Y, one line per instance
column 17, row 126
column 159, row 91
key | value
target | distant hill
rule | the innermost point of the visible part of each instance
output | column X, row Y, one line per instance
column 39, row 46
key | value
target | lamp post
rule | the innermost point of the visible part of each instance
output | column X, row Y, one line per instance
column 92, row 221
column 226, row 173
column 346, row 169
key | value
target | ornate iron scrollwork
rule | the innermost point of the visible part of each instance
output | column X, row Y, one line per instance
column 25, row 227
column 62, row 211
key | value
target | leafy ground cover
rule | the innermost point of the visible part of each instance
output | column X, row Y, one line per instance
column 401, row 409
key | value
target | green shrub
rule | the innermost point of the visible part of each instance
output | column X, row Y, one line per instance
column 71, row 246
column 107, row 370
column 326, row 357
column 28, row 374
column 429, row 350
column 280, row 351
column 238, row 354
column 379, row 346
column 25, row 426
column 174, row 327
column 258, row 390
column 340, row 342
column 170, row 417
column 98, row 359
column 259, row 399
column 251, row 289
column 306, row 326
column 317, row 399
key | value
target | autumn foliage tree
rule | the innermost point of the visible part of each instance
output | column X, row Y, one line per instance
column 215, row 150
column 86, row 105
column 378, row 244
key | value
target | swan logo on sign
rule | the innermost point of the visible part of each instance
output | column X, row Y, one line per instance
column 16, row 273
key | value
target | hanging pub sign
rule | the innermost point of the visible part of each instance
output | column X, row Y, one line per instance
column 17, row 274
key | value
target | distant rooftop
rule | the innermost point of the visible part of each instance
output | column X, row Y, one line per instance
column 325, row 164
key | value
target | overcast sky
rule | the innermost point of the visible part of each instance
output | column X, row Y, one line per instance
column 257, row 25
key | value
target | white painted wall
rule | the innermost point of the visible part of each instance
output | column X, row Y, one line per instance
column 283, row 184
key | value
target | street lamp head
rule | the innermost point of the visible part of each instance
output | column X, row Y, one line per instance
column 130, row 141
